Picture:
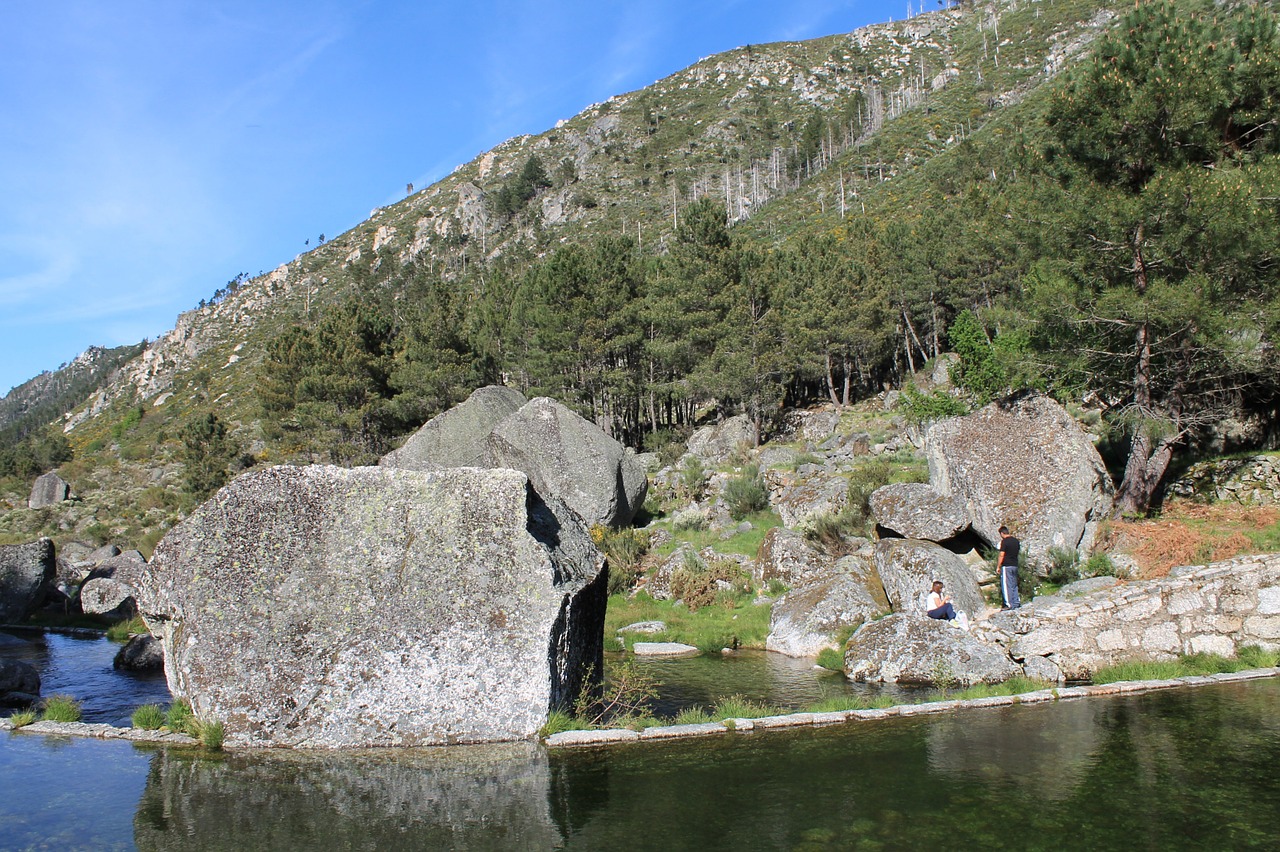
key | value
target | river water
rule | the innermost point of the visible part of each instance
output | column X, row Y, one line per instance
column 1177, row 769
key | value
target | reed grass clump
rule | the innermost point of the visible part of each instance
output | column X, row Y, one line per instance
column 61, row 708
column 148, row 717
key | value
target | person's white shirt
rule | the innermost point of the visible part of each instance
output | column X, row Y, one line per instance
column 934, row 601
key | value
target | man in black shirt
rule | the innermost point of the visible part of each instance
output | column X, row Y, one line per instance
column 1007, row 568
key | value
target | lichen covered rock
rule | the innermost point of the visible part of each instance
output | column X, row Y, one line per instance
column 27, row 572
column 1027, row 464
column 325, row 607
column 808, row 619
column 914, row 649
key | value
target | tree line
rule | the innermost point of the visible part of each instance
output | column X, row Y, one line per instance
column 1120, row 242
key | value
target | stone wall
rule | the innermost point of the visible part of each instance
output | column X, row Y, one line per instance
column 1215, row 608
column 1253, row 481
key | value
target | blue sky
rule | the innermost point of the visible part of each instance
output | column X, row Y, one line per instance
column 150, row 151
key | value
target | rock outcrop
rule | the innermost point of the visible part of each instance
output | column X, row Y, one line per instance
column 1026, row 463
column 908, row 568
column 19, row 683
column 27, row 572
column 458, row 437
column 719, row 443
column 786, row 556
column 107, row 597
column 917, row 510
column 564, row 455
column 914, row 649
column 48, row 490
column 568, row 457
column 809, row 618
column 327, row 607
column 140, row 654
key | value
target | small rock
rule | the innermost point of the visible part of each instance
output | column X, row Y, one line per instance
column 662, row 649
column 644, row 627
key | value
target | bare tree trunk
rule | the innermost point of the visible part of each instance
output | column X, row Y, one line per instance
column 831, row 383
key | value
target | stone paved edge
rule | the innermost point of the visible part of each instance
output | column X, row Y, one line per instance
column 101, row 732
column 793, row 720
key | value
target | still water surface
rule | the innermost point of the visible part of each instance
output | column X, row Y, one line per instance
column 1187, row 769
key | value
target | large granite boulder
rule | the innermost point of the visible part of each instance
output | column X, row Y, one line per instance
column 914, row 649
column 803, row 497
column 788, row 557
column 917, row 510
column 720, row 443
column 457, row 438
column 564, row 455
column 1026, row 463
column 19, row 683
column 108, row 597
column 140, row 654
column 326, row 607
column 26, row 575
column 568, row 457
column 809, row 618
column 907, row 568
column 48, row 490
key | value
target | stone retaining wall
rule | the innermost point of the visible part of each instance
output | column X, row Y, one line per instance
column 801, row 720
column 1253, row 481
column 1215, row 609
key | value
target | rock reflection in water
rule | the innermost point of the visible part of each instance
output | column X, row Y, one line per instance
column 1017, row 744
column 480, row 797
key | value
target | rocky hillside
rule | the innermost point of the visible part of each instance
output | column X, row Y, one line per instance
column 793, row 139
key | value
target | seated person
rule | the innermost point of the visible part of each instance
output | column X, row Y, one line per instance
column 939, row 605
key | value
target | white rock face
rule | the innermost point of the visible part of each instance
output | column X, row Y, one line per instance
column 328, row 607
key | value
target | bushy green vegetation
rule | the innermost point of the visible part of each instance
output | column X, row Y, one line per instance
column 61, row 708
column 22, row 718
column 149, row 717
column 745, row 494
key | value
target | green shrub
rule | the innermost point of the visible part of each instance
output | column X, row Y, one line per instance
column 149, row 717
column 624, row 549
column 1255, row 657
column 692, row 478
column 210, row 734
column 1064, row 565
column 831, row 532
column 921, row 408
column 746, row 493
column 1099, row 565
column 61, row 708
column 698, row 583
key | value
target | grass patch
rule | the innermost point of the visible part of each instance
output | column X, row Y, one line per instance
column 179, row 716
column 61, row 708
column 122, row 630
column 149, row 717
column 557, row 721
column 710, row 628
column 740, row 707
column 830, row 658
column 692, row 716
column 1012, row 686
column 838, row 703
column 209, row 733
column 1189, row 665
column 745, row 543
column 22, row 718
